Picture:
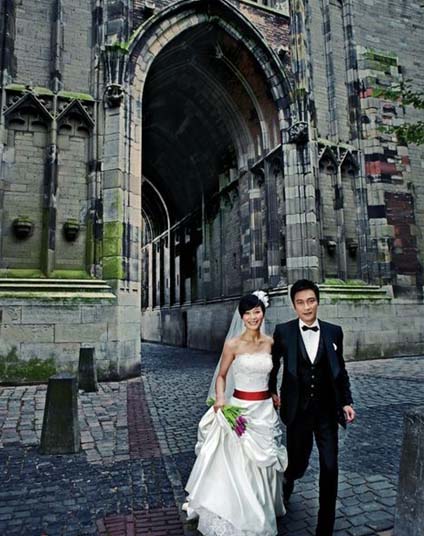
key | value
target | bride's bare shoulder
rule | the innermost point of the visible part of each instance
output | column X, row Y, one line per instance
column 236, row 345
column 233, row 343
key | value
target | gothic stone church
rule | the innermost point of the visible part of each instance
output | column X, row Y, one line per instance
column 159, row 158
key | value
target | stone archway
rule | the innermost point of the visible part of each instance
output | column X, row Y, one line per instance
column 214, row 100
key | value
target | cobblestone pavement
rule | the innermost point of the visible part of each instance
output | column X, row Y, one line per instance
column 137, row 451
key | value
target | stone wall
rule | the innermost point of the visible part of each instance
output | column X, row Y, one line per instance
column 39, row 337
column 78, row 45
column 198, row 326
column 409, row 520
column 71, row 149
column 396, row 28
column 33, row 42
column 33, row 45
column 24, row 192
column 373, row 328
column 267, row 20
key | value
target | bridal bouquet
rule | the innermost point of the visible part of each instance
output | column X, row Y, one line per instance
column 234, row 416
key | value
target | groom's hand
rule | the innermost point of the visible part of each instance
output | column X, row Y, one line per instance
column 276, row 400
column 349, row 413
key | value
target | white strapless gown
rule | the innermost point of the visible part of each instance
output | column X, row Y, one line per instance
column 235, row 486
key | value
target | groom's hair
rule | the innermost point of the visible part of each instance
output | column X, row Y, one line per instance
column 304, row 284
column 248, row 302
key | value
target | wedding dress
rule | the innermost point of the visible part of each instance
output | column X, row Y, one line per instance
column 235, row 486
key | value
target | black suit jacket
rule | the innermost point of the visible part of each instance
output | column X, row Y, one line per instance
column 286, row 346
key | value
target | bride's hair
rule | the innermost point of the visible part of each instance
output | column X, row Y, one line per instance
column 248, row 302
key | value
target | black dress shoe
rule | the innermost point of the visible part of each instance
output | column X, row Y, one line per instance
column 288, row 486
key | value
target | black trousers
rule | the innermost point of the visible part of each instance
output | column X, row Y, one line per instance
column 320, row 422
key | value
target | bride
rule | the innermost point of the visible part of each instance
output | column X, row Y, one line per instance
column 235, row 486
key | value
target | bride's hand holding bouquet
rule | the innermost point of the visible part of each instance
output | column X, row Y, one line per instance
column 219, row 403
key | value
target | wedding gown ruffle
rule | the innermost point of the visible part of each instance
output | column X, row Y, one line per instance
column 235, row 486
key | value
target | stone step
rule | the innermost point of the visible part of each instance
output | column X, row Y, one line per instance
column 66, row 286
column 345, row 288
column 346, row 291
column 356, row 290
column 54, row 288
column 51, row 281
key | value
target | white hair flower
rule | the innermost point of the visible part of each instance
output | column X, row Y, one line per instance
column 262, row 296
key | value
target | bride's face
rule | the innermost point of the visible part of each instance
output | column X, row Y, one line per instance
column 253, row 319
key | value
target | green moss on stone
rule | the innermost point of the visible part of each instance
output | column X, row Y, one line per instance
column 380, row 58
column 112, row 238
column 348, row 283
column 16, row 87
column 12, row 356
column 68, row 298
column 356, row 297
column 38, row 90
column 75, row 95
column 70, row 274
column 89, row 245
column 120, row 46
column 113, row 268
column 25, row 273
column 112, row 250
column 15, row 370
column 333, row 282
column 29, row 273
column 355, row 283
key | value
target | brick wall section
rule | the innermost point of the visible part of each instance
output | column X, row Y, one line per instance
column 231, row 261
column 349, row 212
column 327, row 52
column 328, row 217
column 33, row 41
column 24, row 194
column 398, row 27
column 339, row 73
column 273, row 26
column 140, row 14
column 317, row 51
column 400, row 214
column 72, row 196
column 77, row 64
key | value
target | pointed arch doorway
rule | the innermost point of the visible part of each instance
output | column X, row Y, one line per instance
column 213, row 105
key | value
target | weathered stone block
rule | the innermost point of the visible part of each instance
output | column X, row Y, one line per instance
column 50, row 314
column 27, row 333
column 60, row 433
column 87, row 373
column 10, row 315
column 80, row 332
column 409, row 520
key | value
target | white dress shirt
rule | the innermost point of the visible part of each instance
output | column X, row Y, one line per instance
column 310, row 339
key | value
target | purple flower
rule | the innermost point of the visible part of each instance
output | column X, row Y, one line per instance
column 240, row 429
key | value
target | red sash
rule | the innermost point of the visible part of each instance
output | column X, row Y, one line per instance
column 252, row 395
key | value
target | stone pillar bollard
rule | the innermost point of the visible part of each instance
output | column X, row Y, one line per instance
column 87, row 373
column 409, row 517
column 60, row 433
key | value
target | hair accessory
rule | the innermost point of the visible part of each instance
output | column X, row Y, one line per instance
column 263, row 296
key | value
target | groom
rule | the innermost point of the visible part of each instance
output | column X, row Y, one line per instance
column 314, row 396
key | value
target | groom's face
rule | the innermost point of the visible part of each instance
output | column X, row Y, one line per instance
column 306, row 306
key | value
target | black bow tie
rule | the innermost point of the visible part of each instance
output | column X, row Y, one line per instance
column 313, row 328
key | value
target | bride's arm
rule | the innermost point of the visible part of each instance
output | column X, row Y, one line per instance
column 227, row 359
